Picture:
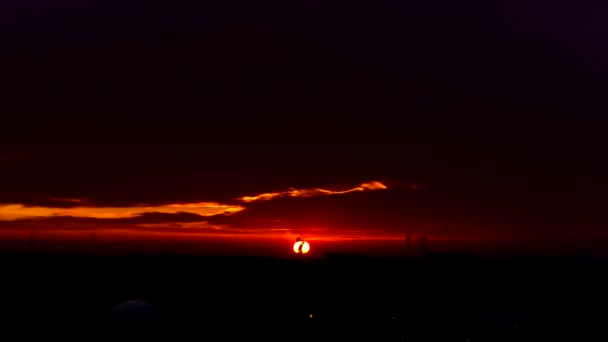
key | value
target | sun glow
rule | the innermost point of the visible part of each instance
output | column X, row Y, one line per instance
column 301, row 247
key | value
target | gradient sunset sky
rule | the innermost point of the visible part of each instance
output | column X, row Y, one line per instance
column 234, row 127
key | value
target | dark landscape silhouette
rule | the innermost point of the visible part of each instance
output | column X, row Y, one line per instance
column 338, row 297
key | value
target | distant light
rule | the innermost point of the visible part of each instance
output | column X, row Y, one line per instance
column 310, row 316
column 302, row 247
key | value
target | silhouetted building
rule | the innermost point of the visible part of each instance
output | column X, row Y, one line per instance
column 423, row 244
column 408, row 245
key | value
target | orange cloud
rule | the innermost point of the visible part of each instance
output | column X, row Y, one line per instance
column 12, row 212
column 373, row 185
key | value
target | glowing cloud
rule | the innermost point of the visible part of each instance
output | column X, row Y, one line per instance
column 12, row 212
column 373, row 185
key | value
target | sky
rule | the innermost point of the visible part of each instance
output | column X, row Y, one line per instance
column 234, row 127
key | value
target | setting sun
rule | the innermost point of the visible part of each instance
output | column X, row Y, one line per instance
column 301, row 247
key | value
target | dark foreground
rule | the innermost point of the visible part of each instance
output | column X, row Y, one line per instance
column 441, row 297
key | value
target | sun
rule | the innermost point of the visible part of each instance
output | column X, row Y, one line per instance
column 301, row 247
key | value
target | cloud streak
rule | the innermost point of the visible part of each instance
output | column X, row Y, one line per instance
column 17, row 211
column 12, row 212
column 373, row 185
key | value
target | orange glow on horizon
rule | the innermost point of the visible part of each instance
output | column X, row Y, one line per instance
column 24, row 222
